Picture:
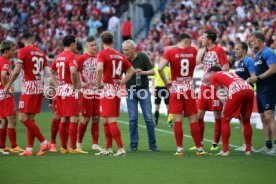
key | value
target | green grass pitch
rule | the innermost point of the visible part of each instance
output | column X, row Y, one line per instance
column 142, row 166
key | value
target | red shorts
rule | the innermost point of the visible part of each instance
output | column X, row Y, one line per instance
column 30, row 103
column 68, row 106
column 110, row 106
column 90, row 106
column 208, row 101
column 7, row 107
column 182, row 103
column 240, row 105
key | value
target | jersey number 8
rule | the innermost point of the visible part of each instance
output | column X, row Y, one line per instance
column 184, row 71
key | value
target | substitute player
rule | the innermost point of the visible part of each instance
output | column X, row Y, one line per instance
column 210, row 55
column 7, row 102
column 244, row 69
column 239, row 104
column 111, row 64
column 182, row 60
column 65, row 77
column 32, row 61
column 90, row 103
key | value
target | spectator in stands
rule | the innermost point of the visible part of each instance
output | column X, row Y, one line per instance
column 148, row 14
column 127, row 29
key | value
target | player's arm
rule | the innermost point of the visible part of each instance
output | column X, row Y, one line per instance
column 99, row 74
column 141, row 72
column 161, row 72
column 225, row 67
column 74, row 74
column 14, row 76
column 268, row 73
column 199, row 55
column 4, row 78
column 130, row 72
column 53, row 79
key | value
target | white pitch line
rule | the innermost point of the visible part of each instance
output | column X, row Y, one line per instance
column 172, row 133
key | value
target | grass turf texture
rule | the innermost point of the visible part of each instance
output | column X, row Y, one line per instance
column 142, row 166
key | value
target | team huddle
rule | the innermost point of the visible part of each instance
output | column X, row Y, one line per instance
column 90, row 84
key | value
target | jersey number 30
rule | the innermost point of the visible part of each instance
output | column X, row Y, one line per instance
column 38, row 64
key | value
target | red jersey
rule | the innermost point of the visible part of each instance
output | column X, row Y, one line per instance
column 114, row 64
column 87, row 67
column 230, row 81
column 33, row 61
column 182, row 63
column 214, row 56
column 62, row 64
column 4, row 66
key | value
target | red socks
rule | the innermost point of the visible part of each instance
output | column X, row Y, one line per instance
column 116, row 134
column 3, row 135
column 54, row 130
column 12, row 137
column 178, row 133
column 63, row 134
column 195, row 132
column 217, row 131
column 31, row 138
column 81, row 131
column 73, row 130
column 225, row 134
column 95, row 132
column 201, row 128
column 108, row 136
column 247, row 133
column 34, row 129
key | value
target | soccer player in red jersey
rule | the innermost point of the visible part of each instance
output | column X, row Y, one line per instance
column 90, row 103
column 65, row 77
column 32, row 61
column 210, row 55
column 7, row 102
column 239, row 104
column 55, row 120
column 182, row 61
column 110, row 66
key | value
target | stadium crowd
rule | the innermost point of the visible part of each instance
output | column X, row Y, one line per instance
column 52, row 20
column 233, row 21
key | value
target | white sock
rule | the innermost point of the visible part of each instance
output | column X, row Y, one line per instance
column 179, row 149
column 44, row 143
column 29, row 149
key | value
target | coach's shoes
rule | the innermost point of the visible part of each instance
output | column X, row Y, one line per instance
column 26, row 153
column 263, row 150
column 53, row 148
column 120, row 152
column 96, row 147
column 272, row 151
column 222, row 153
column 17, row 149
column 3, row 152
